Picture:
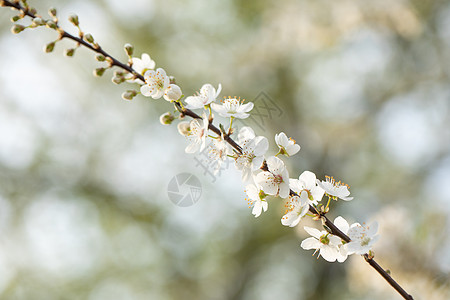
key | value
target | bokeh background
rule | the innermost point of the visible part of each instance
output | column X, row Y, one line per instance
column 363, row 87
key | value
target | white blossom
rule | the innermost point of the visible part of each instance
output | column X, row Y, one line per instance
column 287, row 145
column 256, row 199
column 232, row 107
column 335, row 189
column 206, row 95
column 362, row 238
column 172, row 93
column 219, row 151
column 252, row 156
column 276, row 180
column 184, row 128
column 143, row 64
column 156, row 83
column 197, row 135
column 245, row 133
column 297, row 208
column 307, row 181
column 322, row 241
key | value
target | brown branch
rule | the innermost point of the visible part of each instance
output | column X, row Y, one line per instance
column 187, row 112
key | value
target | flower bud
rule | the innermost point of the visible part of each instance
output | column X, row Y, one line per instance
column 117, row 79
column 89, row 38
column 172, row 93
column 119, row 73
column 184, row 128
column 38, row 22
column 52, row 12
column 129, row 49
column 129, row 95
column 52, row 25
column 32, row 10
column 69, row 52
column 100, row 57
column 15, row 18
column 17, row 28
column 99, row 72
column 49, row 47
column 74, row 20
column 166, row 118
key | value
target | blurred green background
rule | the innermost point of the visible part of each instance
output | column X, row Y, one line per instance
column 363, row 87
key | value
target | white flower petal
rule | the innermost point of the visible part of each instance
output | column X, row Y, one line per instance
column 342, row 224
column 313, row 231
column 266, row 182
column 310, row 243
column 328, row 253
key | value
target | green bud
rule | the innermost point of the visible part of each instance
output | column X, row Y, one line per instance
column 37, row 22
column 89, row 38
column 32, row 10
column 52, row 25
column 49, row 47
column 129, row 49
column 15, row 18
column 99, row 72
column 117, row 80
column 167, row 118
column 17, row 28
column 100, row 57
column 74, row 20
column 69, row 52
column 129, row 95
column 52, row 12
column 119, row 73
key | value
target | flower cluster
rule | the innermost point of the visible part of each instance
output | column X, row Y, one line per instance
column 265, row 177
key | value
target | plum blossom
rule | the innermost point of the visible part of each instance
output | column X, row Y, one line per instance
column 330, row 247
column 323, row 242
column 245, row 133
column 335, row 189
column 184, row 128
column 172, row 93
column 219, row 152
column 297, row 208
column 287, row 145
column 362, row 238
column 307, row 181
column 232, row 107
column 256, row 199
column 156, row 83
column 252, row 156
column 206, row 95
column 197, row 135
column 276, row 180
column 143, row 64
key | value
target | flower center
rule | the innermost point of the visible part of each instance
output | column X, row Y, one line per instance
column 365, row 241
column 278, row 179
column 324, row 239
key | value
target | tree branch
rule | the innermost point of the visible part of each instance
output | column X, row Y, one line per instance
column 187, row 112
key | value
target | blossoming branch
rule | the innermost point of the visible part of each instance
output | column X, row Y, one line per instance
column 264, row 176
